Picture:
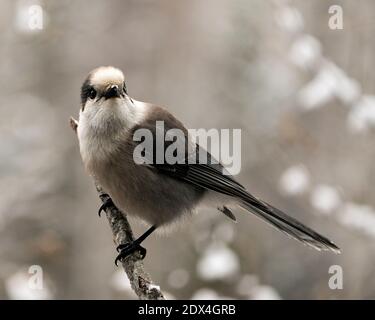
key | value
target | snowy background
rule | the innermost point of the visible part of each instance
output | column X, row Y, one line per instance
column 302, row 93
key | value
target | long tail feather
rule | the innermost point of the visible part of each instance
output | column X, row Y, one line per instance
column 288, row 225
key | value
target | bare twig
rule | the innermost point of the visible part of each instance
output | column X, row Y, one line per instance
column 140, row 280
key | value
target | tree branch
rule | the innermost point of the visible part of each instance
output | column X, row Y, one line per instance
column 139, row 279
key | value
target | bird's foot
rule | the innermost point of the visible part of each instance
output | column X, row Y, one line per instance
column 107, row 203
column 129, row 248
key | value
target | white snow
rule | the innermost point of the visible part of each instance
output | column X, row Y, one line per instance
column 17, row 287
column 217, row 262
column 362, row 116
column 208, row 294
column 264, row 292
column 329, row 82
column 295, row 180
column 290, row 19
column 348, row 89
column 246, row 284
column 205, row 294
column 249, row 286
column 305, row 52
column 325, row 199
column 359, row 217
column 153, row 286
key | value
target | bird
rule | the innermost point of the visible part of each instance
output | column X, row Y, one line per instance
column 160, row 194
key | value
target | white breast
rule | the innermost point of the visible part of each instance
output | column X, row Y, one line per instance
column 103, row 125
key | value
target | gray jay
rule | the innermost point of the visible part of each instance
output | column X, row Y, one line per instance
column 160, row 194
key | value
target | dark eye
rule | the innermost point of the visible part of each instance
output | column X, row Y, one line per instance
column 92, row 94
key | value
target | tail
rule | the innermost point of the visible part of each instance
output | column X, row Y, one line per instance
column 288, row 225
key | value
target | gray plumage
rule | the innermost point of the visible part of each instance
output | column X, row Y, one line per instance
column 160, row 194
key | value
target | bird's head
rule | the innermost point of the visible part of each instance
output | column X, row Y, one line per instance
column 103, row 87
column 105, row 103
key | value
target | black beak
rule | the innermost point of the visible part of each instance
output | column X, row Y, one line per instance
column 112, row 92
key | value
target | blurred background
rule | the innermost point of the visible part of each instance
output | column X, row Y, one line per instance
column 301, row 90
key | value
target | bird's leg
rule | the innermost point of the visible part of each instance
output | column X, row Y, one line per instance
column 130, row 247
column 107, row 203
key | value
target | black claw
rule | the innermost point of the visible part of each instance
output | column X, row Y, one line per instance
column 107, row 203
column 116, row 260
column 101, row 208
column 127, row 249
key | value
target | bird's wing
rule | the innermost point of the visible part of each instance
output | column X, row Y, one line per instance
column 210, row 176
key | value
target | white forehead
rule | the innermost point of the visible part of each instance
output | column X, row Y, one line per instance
column 104, row 76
